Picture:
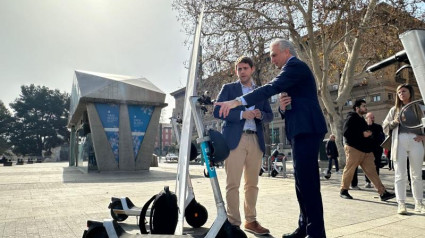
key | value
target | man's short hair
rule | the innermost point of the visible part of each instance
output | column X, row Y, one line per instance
column 245, row 60
column 358, row 103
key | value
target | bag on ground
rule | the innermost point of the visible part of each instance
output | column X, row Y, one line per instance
column 163, row 215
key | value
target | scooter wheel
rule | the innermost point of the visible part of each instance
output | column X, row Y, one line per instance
column 96, row 232
column 274, row 173
column 196, row 214
column 117, row 217
column 261, row 172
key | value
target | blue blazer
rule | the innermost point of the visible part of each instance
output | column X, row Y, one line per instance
column 297, row 80
column 233, row 125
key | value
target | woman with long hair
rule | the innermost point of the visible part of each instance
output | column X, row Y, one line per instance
column 406, row 143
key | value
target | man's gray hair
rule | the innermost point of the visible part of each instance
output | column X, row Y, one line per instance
column 285, row 44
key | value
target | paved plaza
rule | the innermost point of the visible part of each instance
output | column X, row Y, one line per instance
column 54, row 200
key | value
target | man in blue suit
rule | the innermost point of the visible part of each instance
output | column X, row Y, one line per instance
column 243, row 131
column 305, row 127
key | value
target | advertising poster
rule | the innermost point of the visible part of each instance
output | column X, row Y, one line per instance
column 109, row 114
column 139, row 121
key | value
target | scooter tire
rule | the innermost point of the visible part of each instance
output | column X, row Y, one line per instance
column 261, row 172
column 196, row 215
column 96, row 232
column 117, row 217
column 274, row 173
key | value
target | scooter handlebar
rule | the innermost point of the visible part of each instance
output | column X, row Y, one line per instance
column 400, row 56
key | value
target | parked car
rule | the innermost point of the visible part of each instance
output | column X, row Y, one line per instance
column 171, row 157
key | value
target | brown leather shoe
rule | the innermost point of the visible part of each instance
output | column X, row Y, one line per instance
column 256, row 228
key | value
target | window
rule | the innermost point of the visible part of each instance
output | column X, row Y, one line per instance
column 390, row 96
column 275, row 135
column 376, row 98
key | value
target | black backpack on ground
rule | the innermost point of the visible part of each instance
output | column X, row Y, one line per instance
column 164, row 213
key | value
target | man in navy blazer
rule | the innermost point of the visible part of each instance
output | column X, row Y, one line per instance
column 305, row 127
column 243, row 131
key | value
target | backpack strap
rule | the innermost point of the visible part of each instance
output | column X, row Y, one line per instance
column 143, row 215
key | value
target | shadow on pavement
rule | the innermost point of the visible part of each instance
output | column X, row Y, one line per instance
column 74, row 175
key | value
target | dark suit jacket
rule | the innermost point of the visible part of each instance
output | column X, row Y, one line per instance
column 233, row 125
column 331, row 149
column 298, row 81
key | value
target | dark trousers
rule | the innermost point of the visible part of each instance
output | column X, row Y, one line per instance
column 330, row 164
column 355, row 180
column 305, row 149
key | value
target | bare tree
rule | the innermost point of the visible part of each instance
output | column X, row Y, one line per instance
column 329, row 36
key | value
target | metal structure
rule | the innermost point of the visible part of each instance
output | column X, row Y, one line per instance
column 185, row 140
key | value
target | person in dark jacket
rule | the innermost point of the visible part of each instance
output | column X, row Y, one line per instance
column 378, row 137
column 358, row 151
column 332, row 153
column 305, row 127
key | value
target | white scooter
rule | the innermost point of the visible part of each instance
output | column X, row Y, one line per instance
column 214, row 149
column 276, row 163
column 196, row 214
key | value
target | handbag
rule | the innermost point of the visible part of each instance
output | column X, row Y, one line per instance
column 387, row 142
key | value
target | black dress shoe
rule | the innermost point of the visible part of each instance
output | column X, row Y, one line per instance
column 296, row 234
column 344, row 194
column 387, row 196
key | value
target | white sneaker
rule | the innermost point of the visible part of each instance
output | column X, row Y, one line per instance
column 420, row 207
column 402, row 209
column 368, row 185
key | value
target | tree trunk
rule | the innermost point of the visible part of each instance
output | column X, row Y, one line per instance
column 39, row 151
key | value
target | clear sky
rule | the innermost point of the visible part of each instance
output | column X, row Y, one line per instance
column 42, row 42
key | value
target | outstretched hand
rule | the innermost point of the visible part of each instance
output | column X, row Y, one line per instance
column 226, row 106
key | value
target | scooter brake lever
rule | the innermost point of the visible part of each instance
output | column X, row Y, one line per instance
column 206, row 174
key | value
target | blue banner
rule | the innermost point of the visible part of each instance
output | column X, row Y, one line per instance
column 140, row 117
column 109, row 115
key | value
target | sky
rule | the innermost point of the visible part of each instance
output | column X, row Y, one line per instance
column 42, row 42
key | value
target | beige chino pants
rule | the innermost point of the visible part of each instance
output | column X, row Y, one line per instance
column 246, row 157
column 367, row 163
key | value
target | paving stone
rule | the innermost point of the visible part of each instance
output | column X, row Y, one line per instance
column 54, row 200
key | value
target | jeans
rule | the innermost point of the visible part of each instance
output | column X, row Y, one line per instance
column 330, row 164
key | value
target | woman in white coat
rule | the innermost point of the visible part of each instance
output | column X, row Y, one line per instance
column 406, row 143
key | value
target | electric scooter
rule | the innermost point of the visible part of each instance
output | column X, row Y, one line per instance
column 214, row 149
column 272, row 166
column 196, row 214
